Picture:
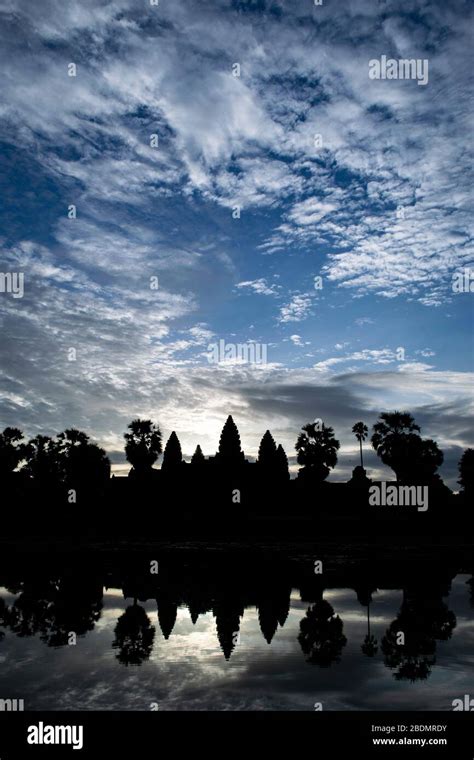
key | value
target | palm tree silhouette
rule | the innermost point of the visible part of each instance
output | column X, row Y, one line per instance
column 317, row 450
column 424, row 620
column 397, row 441
column 391, row 437
column 369, row 647
column 72, row 438
column 361, row 432
column 44, row 462
column 143, row 445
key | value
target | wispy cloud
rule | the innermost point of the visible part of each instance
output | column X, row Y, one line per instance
column 259, row 286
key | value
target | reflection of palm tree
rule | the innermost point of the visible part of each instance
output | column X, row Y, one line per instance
column 369, row 647
column 54, row 608
column 134, row 636
column 413, row 660
column 76, row 606
column 321, row 635
column 360, row 431
column 28, row 615
column 424, row 619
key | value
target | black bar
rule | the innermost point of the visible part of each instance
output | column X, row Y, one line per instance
column 192, row 734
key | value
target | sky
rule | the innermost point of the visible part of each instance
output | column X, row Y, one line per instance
column 228, row 171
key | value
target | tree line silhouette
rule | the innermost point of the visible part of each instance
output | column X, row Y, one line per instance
column 52, row 604
column 72, row 469
column 72, row 458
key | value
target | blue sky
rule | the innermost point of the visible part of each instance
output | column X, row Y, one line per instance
column 379, row 208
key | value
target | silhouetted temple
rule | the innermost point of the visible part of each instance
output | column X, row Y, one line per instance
column 228, row 493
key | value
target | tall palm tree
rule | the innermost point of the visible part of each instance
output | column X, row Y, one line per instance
column 143, row 445
column 361, row 432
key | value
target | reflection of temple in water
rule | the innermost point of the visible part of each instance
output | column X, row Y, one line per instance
column 52, row 601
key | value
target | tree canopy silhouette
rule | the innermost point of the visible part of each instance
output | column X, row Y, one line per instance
column 424, row 458
column 396, row 439
column 143, row 445
column 466, row 472
column 44, row 462
column 317, row 450
column 424, row 619
column 321, row 635
column 71, row 459
column 85, row 463
column 12, row 450
column 134, row 636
